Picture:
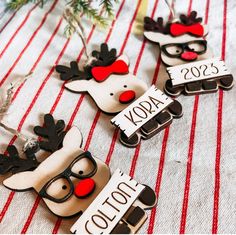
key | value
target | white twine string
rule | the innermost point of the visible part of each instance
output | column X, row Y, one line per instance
column 75, row 23
column 29, row 142
column 10, row 91
column 172, row 9
column 77, row 27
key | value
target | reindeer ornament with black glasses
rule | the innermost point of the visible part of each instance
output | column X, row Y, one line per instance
column 70, row 178
column 183, row 41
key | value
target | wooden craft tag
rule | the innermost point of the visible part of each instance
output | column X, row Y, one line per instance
column 196, row 71
column 109, row 206
column 152, row 102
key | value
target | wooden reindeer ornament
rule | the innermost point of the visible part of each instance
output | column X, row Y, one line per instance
column 183, row 47
column 114, row 90
column 107, row 80
column 71, row 180
column 180, row 42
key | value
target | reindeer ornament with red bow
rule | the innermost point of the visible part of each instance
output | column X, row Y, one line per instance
column 106, row 79
column 183, row 47
column 113, row 88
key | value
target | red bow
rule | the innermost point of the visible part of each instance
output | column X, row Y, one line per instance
column 101, row 73
column 177, row 29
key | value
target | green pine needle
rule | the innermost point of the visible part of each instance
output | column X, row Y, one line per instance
column 108, row 7
column 78, row 7
column 16, row 4
column 69, row 31
column 83, row 6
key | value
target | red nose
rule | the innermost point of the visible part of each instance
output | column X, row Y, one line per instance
column 84, row 188
column 127, row 96
column 189, row 55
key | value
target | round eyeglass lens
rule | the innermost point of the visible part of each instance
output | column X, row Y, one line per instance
column 198, row 47
column 173, row 50
column 59, row 188
column 83, row 167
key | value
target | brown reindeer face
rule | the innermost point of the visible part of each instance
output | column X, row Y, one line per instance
column 68, row 180
column 180, row 42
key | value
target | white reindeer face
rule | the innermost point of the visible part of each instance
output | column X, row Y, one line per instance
column 181, row 49
column 180, row 42
column 68, row 180
column 113, row 94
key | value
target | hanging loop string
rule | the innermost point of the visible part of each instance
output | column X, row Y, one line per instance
column 6, row 104
column 29, row 141
column 172, row 9
column 75, row 23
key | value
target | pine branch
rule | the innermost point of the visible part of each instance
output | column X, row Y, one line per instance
column 78, row 7
column 83, row 6
column 108, row 7
column 16, row 4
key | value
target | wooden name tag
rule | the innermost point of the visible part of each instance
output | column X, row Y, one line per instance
column 152, row 102
column 196, row 71
column 110, row 206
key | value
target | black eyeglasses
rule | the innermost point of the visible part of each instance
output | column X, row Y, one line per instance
column 174, row 50
column 60, row 187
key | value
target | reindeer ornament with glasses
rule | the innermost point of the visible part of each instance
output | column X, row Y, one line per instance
column 181, row 42
column 70, row 178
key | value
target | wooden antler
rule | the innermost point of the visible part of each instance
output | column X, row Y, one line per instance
column 190, row 19
column 156, row 26
column 104, row 57
column 13, row 163
column 72, row 72
column 54, row 132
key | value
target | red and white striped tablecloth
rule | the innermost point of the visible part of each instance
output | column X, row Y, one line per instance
column 191, row 164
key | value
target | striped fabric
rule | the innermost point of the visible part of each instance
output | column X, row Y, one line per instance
column 191, row 165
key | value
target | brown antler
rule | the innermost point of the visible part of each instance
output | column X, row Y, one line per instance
column 54, row 132
column 156, row 26
column 190, row 19
column 73, row 72
column 104, row 57
column 11, row 162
